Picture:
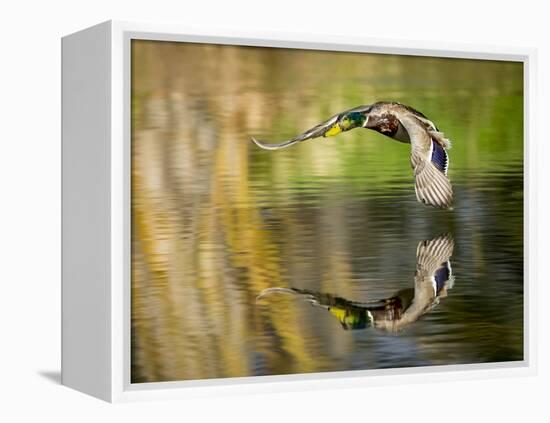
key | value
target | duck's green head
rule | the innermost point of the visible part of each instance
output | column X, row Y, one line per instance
column 346, row 122
column 353, row 120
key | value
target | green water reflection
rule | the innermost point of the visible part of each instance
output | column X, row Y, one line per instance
column 216, row 221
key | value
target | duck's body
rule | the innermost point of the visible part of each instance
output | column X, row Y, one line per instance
column 402, row 123
column 432, row 279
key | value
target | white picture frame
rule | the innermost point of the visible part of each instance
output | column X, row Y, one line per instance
column 96, row 214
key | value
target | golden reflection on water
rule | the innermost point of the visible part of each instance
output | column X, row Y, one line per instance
column 216, row 221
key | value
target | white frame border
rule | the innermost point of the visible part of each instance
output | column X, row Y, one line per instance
column 121, row 388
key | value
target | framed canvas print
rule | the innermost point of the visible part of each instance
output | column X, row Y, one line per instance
column 267, row 212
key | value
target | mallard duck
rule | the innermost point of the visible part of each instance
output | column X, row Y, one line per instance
column 429, row 158
column 432, row 280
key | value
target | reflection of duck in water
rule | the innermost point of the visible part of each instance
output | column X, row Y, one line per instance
column 432, row 279
column 402, row 123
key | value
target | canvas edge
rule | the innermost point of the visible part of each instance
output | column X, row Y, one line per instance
column 121, row 389
column 85, row 205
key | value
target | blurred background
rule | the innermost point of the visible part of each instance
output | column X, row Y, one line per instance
column 215, row 220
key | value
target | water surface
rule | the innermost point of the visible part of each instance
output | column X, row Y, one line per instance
column 216, row 220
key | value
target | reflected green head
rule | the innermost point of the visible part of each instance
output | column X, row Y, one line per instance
column 352, row 317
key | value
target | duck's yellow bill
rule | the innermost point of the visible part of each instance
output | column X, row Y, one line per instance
column 334, row 130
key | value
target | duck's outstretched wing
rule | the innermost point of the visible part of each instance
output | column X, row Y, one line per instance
column 327, row 128
column 430, row 161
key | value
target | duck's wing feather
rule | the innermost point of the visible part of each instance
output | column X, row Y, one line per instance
column 317, row 131
column 430, row 161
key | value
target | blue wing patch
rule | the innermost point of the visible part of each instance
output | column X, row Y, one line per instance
column 441, row 276
column 439, row 157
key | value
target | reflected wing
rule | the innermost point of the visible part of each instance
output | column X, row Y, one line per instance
column 318, row 299
column 433, row 276
column 430, row 162
column 433, row 268
column 321, row 130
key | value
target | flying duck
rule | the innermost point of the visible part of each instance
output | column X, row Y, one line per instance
column 429, row 158
column 432, row 280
